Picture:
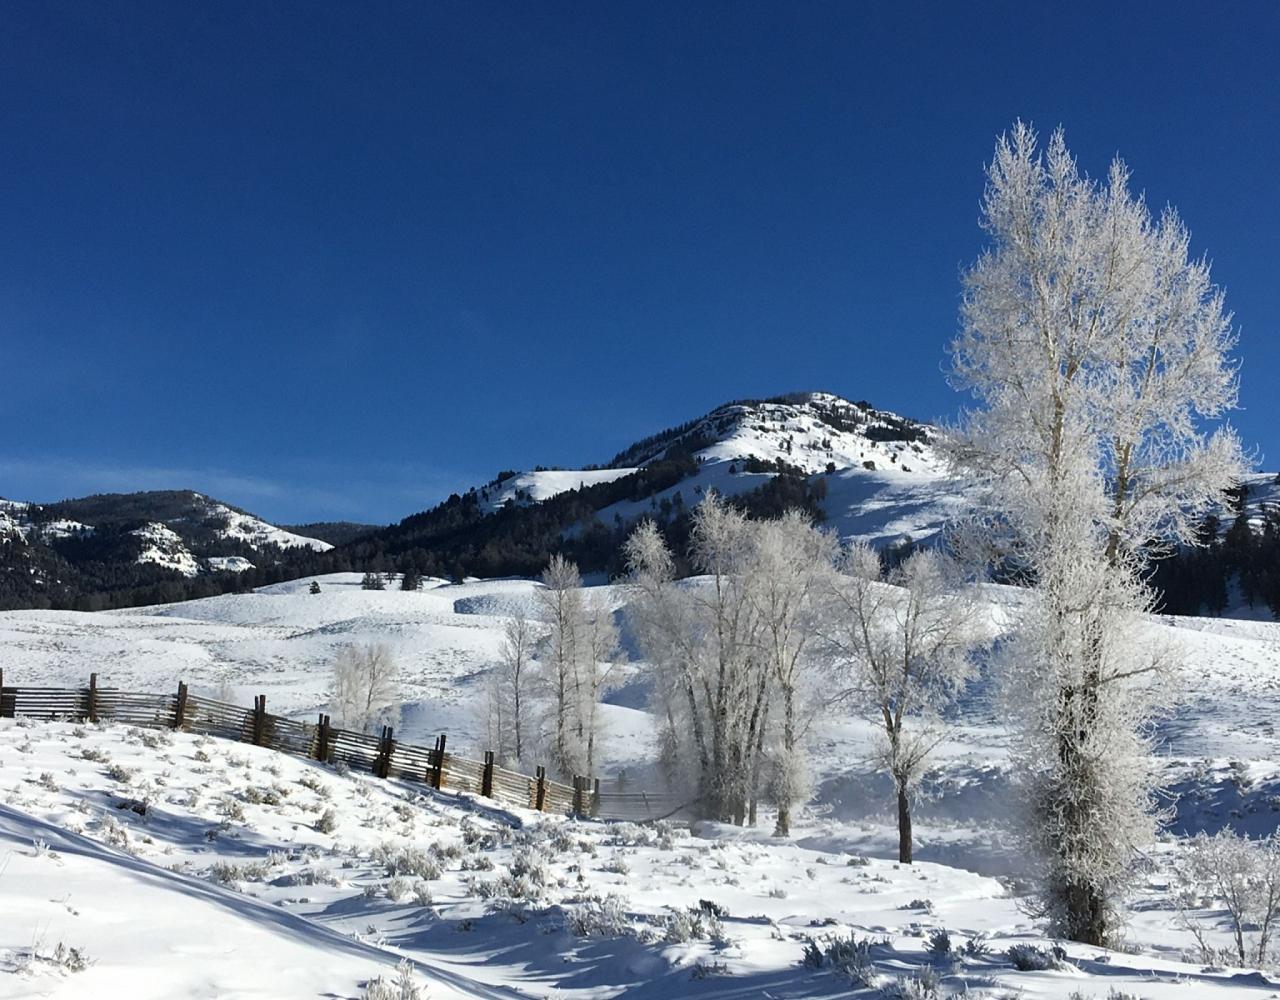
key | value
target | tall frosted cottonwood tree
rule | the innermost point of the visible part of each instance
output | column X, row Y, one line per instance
column 732, row 652
column 1096, row 348
column 703, row 638
column 792, row 563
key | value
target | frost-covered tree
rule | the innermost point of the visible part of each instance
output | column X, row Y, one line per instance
column 576, row 659
column 1095, row 348
column 703, row 640
column 560, row 600
column 1245, row 875
column 790, row 565
column 903, row 647
column 598, row 653
column 509, row 689
column 365, row 692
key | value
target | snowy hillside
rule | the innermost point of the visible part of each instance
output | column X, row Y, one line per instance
column 164, row 547
column 134, row 547
column 172, row 839
column 883, row 478
column 533, row 487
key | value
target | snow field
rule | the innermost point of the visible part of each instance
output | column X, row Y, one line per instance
column 183, row 866
column 522, row 900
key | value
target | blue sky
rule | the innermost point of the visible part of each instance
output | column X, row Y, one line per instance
column 338, row 260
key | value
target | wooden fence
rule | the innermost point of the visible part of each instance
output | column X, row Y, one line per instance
column 382, row 755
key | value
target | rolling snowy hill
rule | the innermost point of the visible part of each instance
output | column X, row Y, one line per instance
column 72, row 550
column 210, row 838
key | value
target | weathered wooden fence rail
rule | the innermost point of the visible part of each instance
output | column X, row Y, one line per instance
column 382, row 755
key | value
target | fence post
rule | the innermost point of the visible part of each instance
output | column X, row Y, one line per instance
column 180, row 706
column 540, row 800
column 486, row 777
column 595, row 799
column 3, row 713
column 93, row 697
column 578, row 809
column 259, row 718
column 322, row 738
column 382, row 765
column 437, row 779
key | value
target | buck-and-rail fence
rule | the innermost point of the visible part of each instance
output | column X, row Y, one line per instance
column 382, row 755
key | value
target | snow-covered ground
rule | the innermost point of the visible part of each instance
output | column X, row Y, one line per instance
column 227, row 886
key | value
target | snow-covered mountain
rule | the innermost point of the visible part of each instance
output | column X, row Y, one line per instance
column 882, row 478
column 69, row 550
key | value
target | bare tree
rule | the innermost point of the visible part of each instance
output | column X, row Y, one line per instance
column 509, row 688
column 560, row 600
column 791, row 563
column 365, row 693
column 1245, row 875
column 576, row 661
column 704, row 642
column 598, row 652
column 904, row 648
column 1095, row 348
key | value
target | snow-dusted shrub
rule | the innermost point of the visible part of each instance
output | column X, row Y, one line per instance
column 939, row 945
column 525, row 881
column 714, row 909
column 40, row 849
column 1245, row 875
column 315, row 875
column 230, row 808
column 705, row 970
column 921, row 985
column 328, row 822
column 226, row 873
column 616, row 865
column 262, row 796
column 402, row 987
column 113, row 833
column 474, row 837
column 48, row 781
column 480, row 863
column 422, row 894
column 407, row 861
column 849, row 956
column 62, row 957
column 202, row 756
column 122, row 774
column 600, row 916
column 693, row 924
column 976, row 946
column 399, row 889
column 1029, row 958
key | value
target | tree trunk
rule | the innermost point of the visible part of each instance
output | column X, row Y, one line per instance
column 904, row 825
column 1086, row 914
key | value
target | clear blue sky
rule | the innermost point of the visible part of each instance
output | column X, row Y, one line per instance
column 338, row 260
